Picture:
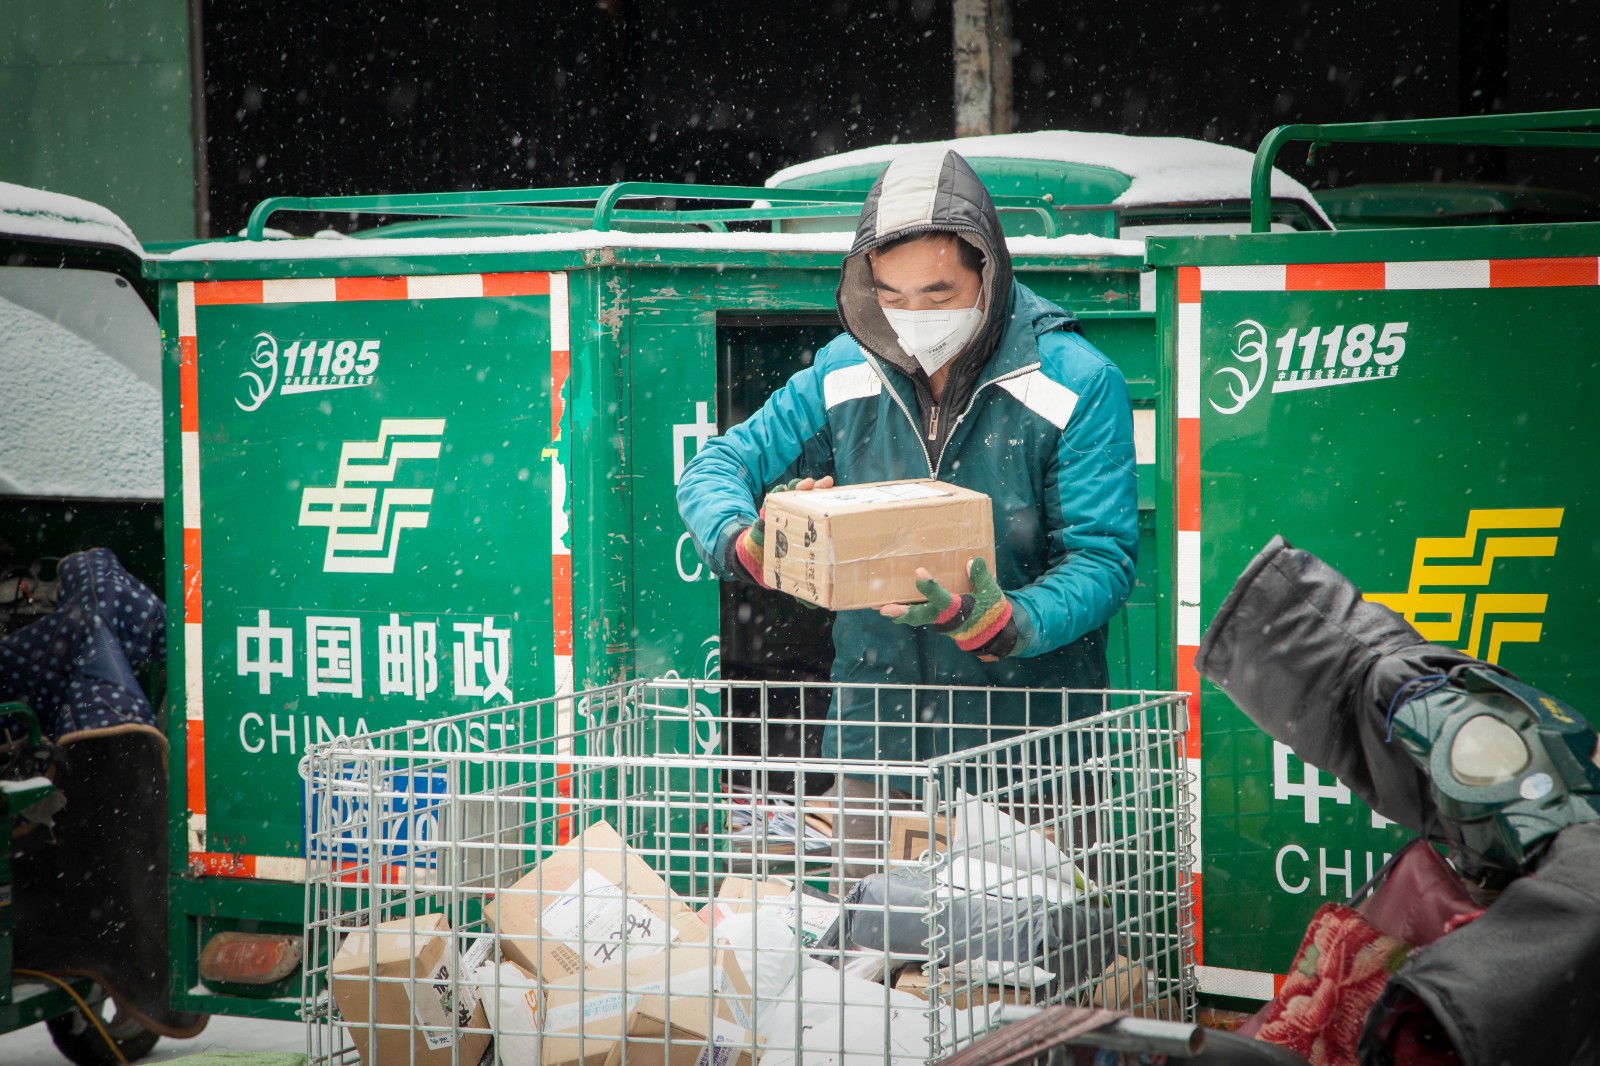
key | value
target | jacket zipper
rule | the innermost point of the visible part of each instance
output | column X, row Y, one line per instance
column 933, row 420
column 1030, row 368
column 888, row 385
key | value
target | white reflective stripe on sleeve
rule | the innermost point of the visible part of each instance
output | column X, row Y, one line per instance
column 1050, row 400
column 910, row 186
column 850, row 383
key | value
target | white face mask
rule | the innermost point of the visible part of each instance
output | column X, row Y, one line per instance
column 934, row 338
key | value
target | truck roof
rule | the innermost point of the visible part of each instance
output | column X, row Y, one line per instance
column 34, row 214
column 1160, row 170
column 1074, row 245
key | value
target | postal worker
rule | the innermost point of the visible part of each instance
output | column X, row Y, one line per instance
column 949, row 368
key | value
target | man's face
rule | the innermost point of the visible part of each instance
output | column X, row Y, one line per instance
column 925, row 275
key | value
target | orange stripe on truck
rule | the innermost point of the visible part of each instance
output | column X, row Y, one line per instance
column 1301, row 277
column 1539, row 273
column 194, row 745
column 227, row 292
column 530, row 283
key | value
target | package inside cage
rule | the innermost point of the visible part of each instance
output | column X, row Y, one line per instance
column 807, row 911
column 583, row 902
column 666, row 1008
column 421, row 988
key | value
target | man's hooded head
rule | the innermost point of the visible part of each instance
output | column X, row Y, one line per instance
column 927, row 191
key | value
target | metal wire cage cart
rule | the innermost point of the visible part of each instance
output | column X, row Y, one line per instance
column 607, row 878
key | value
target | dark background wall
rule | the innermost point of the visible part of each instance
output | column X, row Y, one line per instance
column 396, row 95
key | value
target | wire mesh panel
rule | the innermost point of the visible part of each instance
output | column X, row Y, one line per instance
column 599, row 879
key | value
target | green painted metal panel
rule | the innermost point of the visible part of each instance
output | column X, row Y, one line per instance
column 1366, row 395
column 95, row 102
column 375, row 540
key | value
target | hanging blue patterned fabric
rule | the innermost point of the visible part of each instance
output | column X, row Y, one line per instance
column 75, row 667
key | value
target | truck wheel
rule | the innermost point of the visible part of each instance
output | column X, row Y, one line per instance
column 80, row 1041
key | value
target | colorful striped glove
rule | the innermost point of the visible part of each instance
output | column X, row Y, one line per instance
column 749, row 549
column 746, row 552
column 980, row 623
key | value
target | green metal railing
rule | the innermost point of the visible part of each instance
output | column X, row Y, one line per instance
column 552, row 205
column 1545, row 129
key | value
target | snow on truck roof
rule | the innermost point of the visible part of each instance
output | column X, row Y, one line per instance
column 39, row 215
column 1163, row 170
column 1075, row 245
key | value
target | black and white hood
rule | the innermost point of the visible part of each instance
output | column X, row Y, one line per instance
column 927, row 190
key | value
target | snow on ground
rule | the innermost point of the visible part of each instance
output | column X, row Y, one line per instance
column 1163, row 169
column 32, row 1046
column 26, row 212
column 836, row 243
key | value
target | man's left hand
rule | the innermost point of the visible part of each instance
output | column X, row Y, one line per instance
column 980, row 622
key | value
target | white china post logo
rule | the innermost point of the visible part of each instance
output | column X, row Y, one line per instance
column 306, row 366
column 363, row 511
column 1317, row 357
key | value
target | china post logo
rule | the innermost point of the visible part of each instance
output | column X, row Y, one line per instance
column 306, row 366
column 1299, row 358
column 363, row 511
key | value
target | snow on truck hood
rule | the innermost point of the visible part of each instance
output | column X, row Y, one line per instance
column 38, row 215
column 1163, row 170
column 1076, row 245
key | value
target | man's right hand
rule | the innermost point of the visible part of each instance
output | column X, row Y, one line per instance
column 749, row 547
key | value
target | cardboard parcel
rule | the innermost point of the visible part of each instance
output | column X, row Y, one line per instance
column 859, row 546
column 689, row 1006
column 584, row 904
column 422, row 989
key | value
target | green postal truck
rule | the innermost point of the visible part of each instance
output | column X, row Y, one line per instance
column 409, row 476
column 1414, row 406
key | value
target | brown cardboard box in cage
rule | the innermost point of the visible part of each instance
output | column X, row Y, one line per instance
column 573, row 909
column 908, row 836
column 859, row 546
column 965, row 997
column 429, row 989
column 693, row 995
column 808, row 911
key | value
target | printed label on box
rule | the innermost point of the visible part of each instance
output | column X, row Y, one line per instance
column 595, row 917
column 592, row 1008
column 884, row 494
column 727, row 1040
column 441, row 1002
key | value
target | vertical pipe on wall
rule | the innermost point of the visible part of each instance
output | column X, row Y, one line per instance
column 981, row 46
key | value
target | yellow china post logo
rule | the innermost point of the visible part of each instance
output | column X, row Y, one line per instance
column 1448, row 589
